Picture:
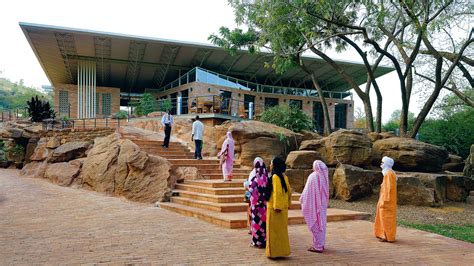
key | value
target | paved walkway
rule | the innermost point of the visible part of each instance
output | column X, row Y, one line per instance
column 41, row 223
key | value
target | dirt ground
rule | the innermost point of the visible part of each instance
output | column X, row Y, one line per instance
column 451, row 213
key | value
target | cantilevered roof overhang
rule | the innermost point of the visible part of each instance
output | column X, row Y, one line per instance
column 133, row 63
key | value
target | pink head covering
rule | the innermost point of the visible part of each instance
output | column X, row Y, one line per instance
column 315, row 196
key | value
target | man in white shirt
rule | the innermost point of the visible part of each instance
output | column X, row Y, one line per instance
column 197, row 135
column 167, row 122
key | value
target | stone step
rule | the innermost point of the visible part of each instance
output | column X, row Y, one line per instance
column 218, row 198
column 216, row 183
column 173, row 157
column 219, row 176
column 166, row 150
column 219, row 171
column 209, row 197
column 210, row 190
column 193, row 161
column 236, row 220
column 220, row 207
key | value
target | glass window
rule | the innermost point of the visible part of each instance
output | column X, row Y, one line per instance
column 318, row 116
column 97, row 98
column 248, row 99
column 270, row 102
column 106, row 103
column 340, row 115
column 296, row 103
column 63, row 102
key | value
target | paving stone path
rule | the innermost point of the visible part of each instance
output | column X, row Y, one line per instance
column 42, row 223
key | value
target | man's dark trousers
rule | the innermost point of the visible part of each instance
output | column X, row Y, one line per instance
column 166, row 142
column 197, row 150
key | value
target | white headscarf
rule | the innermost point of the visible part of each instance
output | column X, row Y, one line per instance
column 387, row 164
column 252, row 173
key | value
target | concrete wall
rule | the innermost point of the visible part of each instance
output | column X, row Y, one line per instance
column 205, row 92
column 72, row 93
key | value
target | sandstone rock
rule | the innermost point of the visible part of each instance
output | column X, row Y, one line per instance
column 351, row 182
column 411, row 191
column 69, row 151
column 302, row 159
column 409, row 154
column 255, row 138
column 30, row 148
column 41, row 151
column 347, row 147
column 186, row 173
column 53, row 143
column 15, row 133
column 34, row 169
column 100, row 166
column 309, row 135
column 119, row 167
column 454, row 163
column 63, row 173
column 469, row 164
column 298, row 178
column 456, row 189
column 314, row 145
column 437, row 182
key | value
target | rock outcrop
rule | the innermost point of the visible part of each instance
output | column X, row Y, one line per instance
column 352, row 183
column 302, row 159
column 68, row 151
column 409, row 154
column 412, row 191
column 469, row 164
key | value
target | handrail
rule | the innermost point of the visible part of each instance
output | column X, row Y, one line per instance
column 248, row 85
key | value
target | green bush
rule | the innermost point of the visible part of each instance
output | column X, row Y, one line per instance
column 146, row 105
column 454, row 132
column 121, row 115
column 165, row 105
column 288, row 117
column 39, row 109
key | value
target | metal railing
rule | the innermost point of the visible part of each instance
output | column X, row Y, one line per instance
column 198, row 74
column 83, row 123
column 13, row 114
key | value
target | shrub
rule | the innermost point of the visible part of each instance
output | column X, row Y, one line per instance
column 165, row 105
column 121, row 115
column 39, row 109
column 146, row 105
column 289, row 117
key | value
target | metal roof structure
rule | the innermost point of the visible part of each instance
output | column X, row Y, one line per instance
column 133, row 63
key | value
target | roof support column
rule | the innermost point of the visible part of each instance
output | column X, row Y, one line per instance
column 86, row 89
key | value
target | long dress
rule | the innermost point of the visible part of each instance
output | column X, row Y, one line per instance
column 278, row 243
column 314, row 202
column 386, row 217
column 227, row 150
column 258, row 209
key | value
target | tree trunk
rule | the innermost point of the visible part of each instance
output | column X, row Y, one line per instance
column 364, row 97
column 327, row 121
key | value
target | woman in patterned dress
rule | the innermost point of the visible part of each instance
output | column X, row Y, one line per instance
column 258, row 204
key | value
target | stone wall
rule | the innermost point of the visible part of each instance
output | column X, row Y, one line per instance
column 77, row 134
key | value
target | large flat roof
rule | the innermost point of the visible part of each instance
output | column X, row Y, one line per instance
column 133, row 63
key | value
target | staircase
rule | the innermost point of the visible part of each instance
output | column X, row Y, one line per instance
column 213, row 200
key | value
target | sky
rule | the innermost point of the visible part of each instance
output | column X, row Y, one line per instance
column 183, row 20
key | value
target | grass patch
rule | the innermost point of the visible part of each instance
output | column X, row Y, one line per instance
column 460, row 232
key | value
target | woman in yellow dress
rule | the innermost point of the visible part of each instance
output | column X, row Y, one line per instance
column 278, row 201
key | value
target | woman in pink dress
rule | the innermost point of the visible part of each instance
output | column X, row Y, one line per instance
column 314, row 202
column 226, row 156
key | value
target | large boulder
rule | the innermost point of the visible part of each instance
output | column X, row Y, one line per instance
column 374, row 136
column 454, row 163
column 348, row 147
column 469, row 164
column 410, row 155
column 63, row 173
column 255, row 138
column 436, row 183
column 314, row 145
column 35, row 169
column 41, row 152
column 298, row 178
column 352, row 183
column 302, row 159
column 412, row 191
column 183, row 173
column 119, row 167
column 457, row 188
column 69, row 151
column 30, row 148
column 310, row 135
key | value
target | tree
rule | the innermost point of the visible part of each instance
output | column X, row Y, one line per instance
column 394, row 122
column 146, row 105
column 359, row 118
column 289, row 117
column 287, row 30
column 414, row 32
column 165, row 105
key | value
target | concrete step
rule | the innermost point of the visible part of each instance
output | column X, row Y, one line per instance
column 220, row 207
column 219, row 171
column 219, row 176
column 236, row 220
column 210, row 190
